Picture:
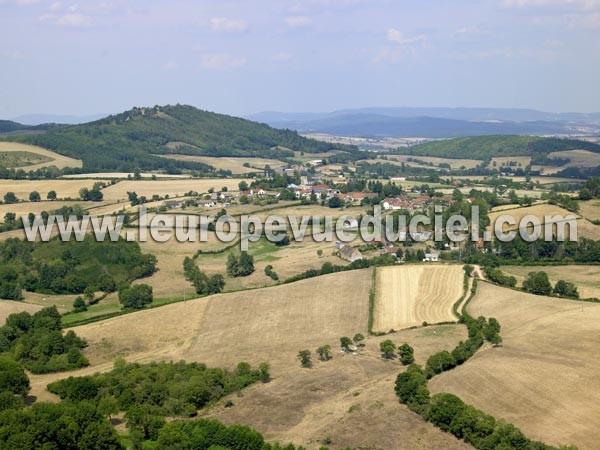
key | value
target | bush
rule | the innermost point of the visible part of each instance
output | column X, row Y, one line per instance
column 537, row 283
column 498, row 277
column 136, row 297
column 240, row 266
column 79, row 305
column 406, row 354
column 271, row 273
column 566, row 289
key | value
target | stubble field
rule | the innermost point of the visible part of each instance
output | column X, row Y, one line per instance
column 586, row 278
column 47, row 158
column 409, row 295
column 544, row 378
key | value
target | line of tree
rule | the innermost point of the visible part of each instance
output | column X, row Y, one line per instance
column 327, row 268
column 539, row 283
column 450, row 413
column 480, row 330
column 203, row 284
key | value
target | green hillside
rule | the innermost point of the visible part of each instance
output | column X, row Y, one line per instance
column 485, row 147
column 132, row 139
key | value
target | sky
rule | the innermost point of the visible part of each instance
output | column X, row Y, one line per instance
column 245, row 56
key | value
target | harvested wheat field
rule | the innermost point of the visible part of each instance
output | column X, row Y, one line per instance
column 509, row 161
column 455, row 163
column 409, row 295
column 167, row 187
column 47, row 158
column 24, row 208
column 269, row 324
column 577, row 158
column 65, row 189
column 124, row 175
column 586, row 278
column 544, row 378
column 584, row 227
column 168, row 281
column 590, row 209
column 8, row 307
column 348, row 401
column 236, row 165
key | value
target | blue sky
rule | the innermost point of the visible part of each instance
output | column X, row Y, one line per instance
column 239, row 57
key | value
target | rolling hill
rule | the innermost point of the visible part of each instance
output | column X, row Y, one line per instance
column 8, row 127
column 485, row 147
column 134, row 138
column 432, row 122
column 377, row 125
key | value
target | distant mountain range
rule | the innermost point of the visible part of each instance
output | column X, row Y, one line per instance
column 433, row 122
column 38, row 119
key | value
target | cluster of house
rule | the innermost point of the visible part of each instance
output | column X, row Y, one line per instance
column 403, row 202
column 352, row 254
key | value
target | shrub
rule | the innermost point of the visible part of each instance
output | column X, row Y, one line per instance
column 566, row 289
column 271, row 273
column 136, row 297
column 537, row 283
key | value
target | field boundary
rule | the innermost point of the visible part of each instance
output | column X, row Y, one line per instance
column 372, row 304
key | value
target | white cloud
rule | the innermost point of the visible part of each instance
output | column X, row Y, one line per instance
column 589, row 20
column 393, row 55
column 298, row 21
column 73, row 20
column 582, row 4
column 471, row 29
column 396, row 36
column 230, row 25
column 219, row 61
column 170, row 65
column 11, row 54
column 283, row 57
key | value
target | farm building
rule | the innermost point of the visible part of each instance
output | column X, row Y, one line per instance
column 172, row 204
column 432, row 257
column 207, row 203
column 350, row 253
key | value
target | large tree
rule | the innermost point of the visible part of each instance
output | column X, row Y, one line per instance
column 136, row 297
column 388, row 348
column 406, row 354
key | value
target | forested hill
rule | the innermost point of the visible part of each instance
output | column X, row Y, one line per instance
column 10, row 127
column 485, row 147
column 131, row 139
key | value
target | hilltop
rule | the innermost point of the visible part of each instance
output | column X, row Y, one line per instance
column 486, row 147
column 11, row 127
column 134, row 138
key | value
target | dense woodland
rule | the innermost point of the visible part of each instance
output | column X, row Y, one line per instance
column 37, row 342
column 58, row 267
column 486, row 147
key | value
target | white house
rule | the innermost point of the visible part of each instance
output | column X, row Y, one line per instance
column 432, row 257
